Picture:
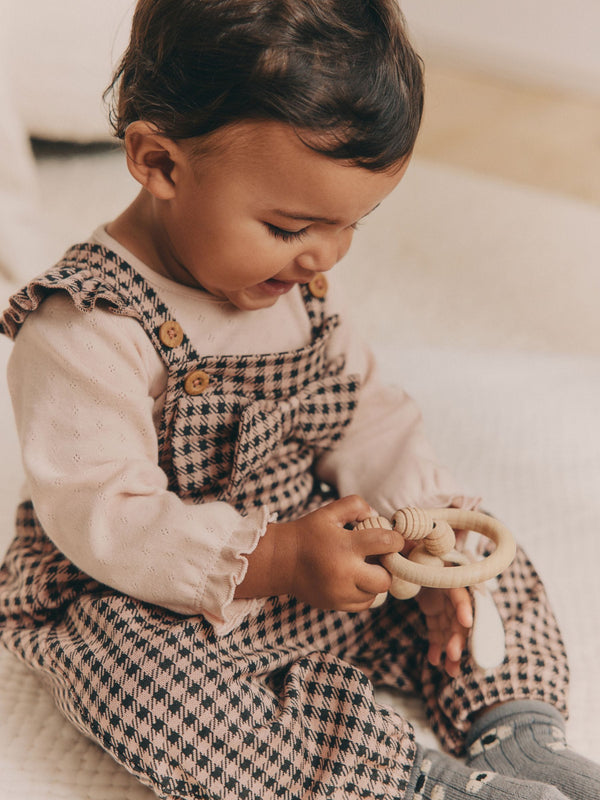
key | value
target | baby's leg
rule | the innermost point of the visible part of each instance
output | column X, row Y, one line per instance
column 273, row 707
column 535, row 667
column 267, row 711
column 394, row 651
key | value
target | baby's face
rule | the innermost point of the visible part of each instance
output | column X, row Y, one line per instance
column 261, row 212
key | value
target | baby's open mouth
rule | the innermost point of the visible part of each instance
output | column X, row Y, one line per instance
column 275, row 286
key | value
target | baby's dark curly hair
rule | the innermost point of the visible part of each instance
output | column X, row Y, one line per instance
column 341, row 72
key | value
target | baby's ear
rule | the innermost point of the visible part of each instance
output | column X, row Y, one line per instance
column 151, row 159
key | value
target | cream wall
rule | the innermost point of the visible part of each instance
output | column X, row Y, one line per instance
column 551, row 42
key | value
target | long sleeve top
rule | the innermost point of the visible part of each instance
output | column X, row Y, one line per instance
column 88, row 389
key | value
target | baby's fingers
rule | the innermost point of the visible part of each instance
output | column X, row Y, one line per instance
column 347, row 510
column 455, row 647
column 377, row 542
column 463, row 606
column 373, row 578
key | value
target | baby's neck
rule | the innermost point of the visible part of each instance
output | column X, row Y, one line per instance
column 138, row 230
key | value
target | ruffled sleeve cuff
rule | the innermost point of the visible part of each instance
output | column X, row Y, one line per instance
column 226, row 568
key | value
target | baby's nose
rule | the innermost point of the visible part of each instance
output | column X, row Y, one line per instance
column 325, row 254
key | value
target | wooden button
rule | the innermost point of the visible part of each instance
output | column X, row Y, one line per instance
column 318, row 286
column 196, row 382
column 170, row 333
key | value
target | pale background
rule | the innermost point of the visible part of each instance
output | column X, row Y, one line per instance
column 477, row 284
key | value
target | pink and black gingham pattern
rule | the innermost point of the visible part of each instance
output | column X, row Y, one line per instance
column 283, row 706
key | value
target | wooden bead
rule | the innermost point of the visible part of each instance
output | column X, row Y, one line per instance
column 420, row 555
column 441, row 540
column 413, row 523
column 403, row 590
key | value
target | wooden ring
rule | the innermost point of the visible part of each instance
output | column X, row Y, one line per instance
column 452, row 577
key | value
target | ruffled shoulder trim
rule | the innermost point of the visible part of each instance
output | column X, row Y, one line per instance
column 89, row 273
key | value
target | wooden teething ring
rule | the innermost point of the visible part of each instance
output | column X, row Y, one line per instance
column 418, row 524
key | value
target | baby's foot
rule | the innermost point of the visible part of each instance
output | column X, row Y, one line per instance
column 527, row 739
column 438, row 777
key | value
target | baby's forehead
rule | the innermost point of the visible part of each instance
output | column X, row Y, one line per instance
column 278, row 162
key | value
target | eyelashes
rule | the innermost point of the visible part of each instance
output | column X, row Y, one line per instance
column 285, row 235
column 295, row 236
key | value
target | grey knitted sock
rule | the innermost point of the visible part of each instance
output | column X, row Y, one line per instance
column 436, row 776
column 527, row 739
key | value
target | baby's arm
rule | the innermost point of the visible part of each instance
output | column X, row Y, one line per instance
column 85, row 387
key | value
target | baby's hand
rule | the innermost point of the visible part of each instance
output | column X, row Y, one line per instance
column 335, row 568
column 449, row 617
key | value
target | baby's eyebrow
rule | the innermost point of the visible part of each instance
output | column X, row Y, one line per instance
column 298, row 215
